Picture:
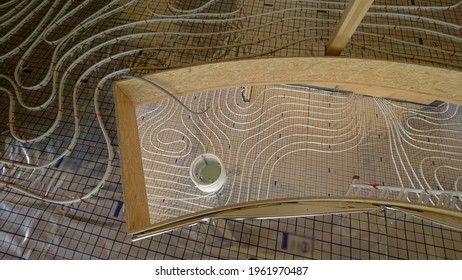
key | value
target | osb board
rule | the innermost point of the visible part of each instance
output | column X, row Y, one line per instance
column 408, row 82
column 383, row 79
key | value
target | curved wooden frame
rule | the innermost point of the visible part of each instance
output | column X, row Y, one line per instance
column 409, row 82
column 302, row 207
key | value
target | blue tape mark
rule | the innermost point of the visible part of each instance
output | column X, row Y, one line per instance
column 421, row 41
column 140, row 52
column 58, row 163
column 118, row 208
column 268, row 5
column 285, row 237
column 84, row 80
column 321, row 11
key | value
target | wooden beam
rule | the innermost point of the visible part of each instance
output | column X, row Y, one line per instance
column 408, row 82
column 135, row 197
column 351, row 18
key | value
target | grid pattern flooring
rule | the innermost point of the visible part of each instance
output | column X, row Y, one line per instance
column 293, row 141
column 94, row 50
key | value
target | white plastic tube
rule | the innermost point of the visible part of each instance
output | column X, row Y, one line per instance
column 197, row 173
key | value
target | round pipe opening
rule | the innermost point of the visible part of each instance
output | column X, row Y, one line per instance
column 208, row 173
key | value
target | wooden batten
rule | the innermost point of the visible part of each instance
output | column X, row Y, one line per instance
column 296, row 207
column 354, row 13
column 407, row 82
column 134, row 188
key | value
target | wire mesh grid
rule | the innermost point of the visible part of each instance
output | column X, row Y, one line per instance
column 71, row 45
column 292, row 141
